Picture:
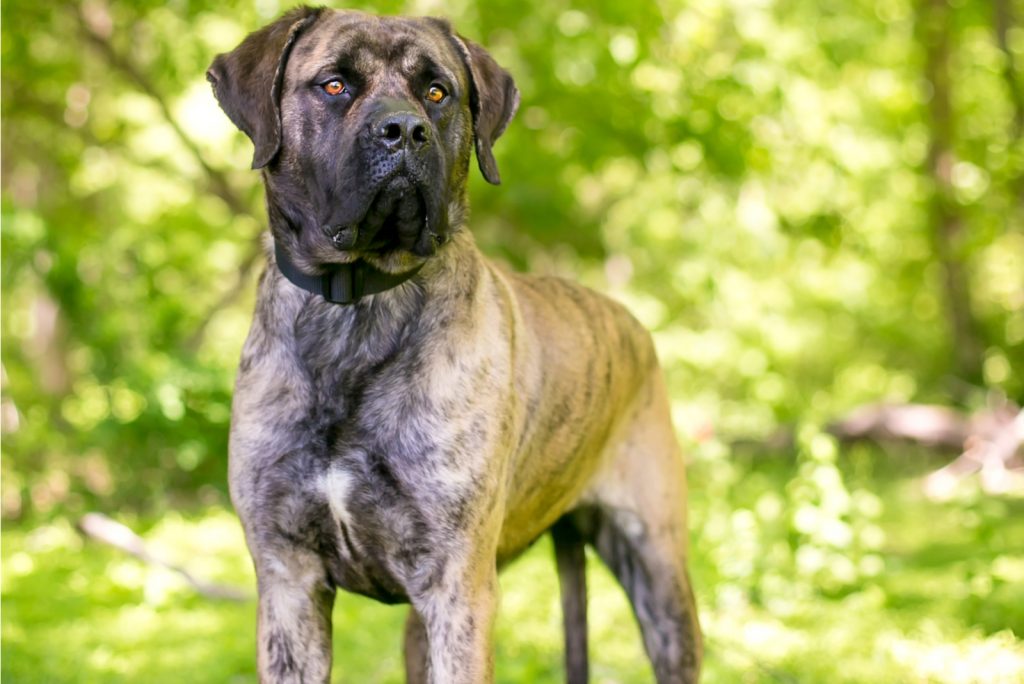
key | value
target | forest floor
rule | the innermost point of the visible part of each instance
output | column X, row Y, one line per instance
column 946, row 604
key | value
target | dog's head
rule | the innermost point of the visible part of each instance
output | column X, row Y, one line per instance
column 363, row 126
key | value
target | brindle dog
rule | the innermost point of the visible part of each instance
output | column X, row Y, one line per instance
column 410, row 443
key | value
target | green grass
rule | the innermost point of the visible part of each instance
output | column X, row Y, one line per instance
column 947, row 605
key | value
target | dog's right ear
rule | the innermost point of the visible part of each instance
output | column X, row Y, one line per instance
column 247, row 81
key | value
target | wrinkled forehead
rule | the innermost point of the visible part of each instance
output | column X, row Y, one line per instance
column 371, row 46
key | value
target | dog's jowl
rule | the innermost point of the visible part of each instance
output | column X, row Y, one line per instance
column 408, row 418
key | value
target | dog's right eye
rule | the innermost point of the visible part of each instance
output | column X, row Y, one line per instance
column 333, row 87
column 436, row 94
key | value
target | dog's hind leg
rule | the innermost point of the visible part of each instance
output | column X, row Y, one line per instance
column 639, row 530
column 570, row 557
column 659, row 590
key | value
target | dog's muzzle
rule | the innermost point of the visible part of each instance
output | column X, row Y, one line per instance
column 403, row 211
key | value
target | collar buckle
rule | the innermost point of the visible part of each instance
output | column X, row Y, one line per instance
column 344, row 284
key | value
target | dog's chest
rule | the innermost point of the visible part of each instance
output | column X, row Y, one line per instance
column 350, row 509
column 368, row 445
column 386, row 488
column 361, row 559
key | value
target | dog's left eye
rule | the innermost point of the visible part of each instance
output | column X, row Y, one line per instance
column 436, row 93
column 334, row 87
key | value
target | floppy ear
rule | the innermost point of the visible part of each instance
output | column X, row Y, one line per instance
column 493, row 99
column 247, row 81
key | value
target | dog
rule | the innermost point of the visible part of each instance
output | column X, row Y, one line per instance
column 408, row 418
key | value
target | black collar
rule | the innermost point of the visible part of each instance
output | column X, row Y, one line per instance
column 343, row 283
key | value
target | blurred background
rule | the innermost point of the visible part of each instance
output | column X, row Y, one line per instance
column 817, row 206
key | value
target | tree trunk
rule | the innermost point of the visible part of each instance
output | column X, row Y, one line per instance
column 947, row 224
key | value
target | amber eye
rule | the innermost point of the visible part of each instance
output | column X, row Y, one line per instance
column 334, row 87
column 436, row 94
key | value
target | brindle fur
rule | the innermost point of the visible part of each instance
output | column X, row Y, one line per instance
column 409, row 445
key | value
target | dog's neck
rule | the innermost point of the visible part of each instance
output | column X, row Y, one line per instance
column 287, row 314
column 343, row 284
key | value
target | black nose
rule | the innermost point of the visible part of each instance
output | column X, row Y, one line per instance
column 403, row 129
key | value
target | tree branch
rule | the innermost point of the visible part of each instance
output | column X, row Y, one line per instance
column 195, row 341
column 218, row 181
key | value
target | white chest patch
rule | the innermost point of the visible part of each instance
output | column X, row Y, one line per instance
column 336, row 484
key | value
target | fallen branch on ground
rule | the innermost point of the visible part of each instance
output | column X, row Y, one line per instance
column 101, row 528
column 989, row 441
column 992, row 455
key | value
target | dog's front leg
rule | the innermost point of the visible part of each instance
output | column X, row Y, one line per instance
column 458, row 618
column 294, row 625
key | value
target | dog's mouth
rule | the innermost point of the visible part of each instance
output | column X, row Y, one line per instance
column 400, row 216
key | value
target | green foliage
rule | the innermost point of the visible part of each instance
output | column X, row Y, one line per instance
column 759, row 180
column 750, row 178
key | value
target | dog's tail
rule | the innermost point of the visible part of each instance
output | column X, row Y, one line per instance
column 571, row 560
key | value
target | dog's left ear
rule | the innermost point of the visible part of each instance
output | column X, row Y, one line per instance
column 493, row 99
column 247, row 81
